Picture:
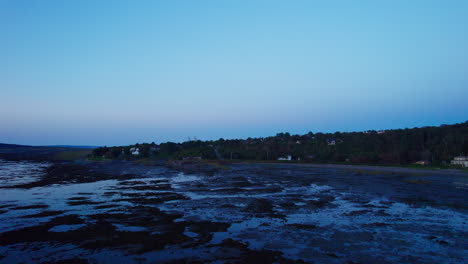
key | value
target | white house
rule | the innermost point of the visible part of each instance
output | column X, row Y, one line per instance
column 331, row 142
column 135, row 151
column 289, row 157
column 460, row 160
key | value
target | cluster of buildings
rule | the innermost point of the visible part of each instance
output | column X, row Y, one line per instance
column 460, row 161
column 332, row 141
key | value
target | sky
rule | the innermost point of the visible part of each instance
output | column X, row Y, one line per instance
column 95, row 72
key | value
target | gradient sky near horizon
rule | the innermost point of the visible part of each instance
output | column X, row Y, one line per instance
column 120, row 72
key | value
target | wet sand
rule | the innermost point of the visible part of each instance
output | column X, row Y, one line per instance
column 114, row 212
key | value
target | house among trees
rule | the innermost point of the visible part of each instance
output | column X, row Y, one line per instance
column 289, row 157
column 422, row 162
column 460, row 161
column 152, row 149
column 310, row 157
column 331, row 142
column 135, row 151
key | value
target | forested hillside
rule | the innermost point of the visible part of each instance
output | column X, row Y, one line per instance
column 435, row 145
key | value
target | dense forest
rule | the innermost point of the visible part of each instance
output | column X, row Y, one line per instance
column 431, row 145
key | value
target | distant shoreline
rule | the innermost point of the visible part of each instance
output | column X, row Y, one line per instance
column 374, row 168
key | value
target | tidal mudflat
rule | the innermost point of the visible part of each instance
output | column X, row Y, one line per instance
column 121, row 212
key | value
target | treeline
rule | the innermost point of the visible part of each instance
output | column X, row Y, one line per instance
column 435, row 145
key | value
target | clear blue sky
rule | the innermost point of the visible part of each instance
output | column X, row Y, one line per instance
column 120, row 72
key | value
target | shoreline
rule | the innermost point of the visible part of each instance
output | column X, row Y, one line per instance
column 374, row 168
column 215, row 165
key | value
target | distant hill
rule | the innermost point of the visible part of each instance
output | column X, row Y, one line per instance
column 3, row 145
column 16, row 146
column 73, row 146
column 26, row 152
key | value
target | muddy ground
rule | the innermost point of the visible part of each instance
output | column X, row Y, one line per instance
column 122, row 212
